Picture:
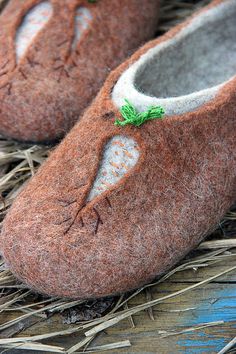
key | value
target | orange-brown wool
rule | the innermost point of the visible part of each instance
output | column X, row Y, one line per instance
column 61, row 244
column 44, row 90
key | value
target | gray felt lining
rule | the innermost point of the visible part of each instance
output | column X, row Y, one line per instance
column 186, row 71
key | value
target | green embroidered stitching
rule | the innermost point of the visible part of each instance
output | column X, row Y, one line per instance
column 131, row 116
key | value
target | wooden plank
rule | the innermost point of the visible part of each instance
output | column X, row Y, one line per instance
column 211, row 303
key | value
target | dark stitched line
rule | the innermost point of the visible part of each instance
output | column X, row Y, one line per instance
column 98, row 215
column 73, row 221
column 62, row 71
column 66, row 72
column 67, row 203
column 31, row 62
column 22, row 73
column 5, row 64
column 96, row 227
column 108, row 202
column 3, row 73
column 58, row 67
column 9, row 88
column 64, row 221
column 73, row 62
column 63, row 42
column 99, row 221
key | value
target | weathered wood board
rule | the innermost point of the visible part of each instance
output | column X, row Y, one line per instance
column 214, row 302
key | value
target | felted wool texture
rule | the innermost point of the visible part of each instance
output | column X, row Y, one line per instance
column 187, row 70
column 44, row 93
column 184, row 181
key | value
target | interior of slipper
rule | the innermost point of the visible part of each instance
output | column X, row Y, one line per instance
column 202, row 56
column 186, row 71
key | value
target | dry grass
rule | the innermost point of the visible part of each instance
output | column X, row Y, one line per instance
column 18, row 162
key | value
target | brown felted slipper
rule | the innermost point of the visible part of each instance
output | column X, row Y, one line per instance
column 54, row 56
column 120, row 202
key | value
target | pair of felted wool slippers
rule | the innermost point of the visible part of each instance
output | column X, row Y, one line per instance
column 150, row 167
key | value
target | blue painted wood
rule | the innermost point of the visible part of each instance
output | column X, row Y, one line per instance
column 222, row 309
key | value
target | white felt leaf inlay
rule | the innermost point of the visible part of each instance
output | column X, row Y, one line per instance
column 120, row 155
column 82, row 19
column 32, row 23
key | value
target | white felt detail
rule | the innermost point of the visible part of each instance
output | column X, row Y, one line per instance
column 186, row 71
column 120, row 155
column 32, row 23
column 82, row 19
